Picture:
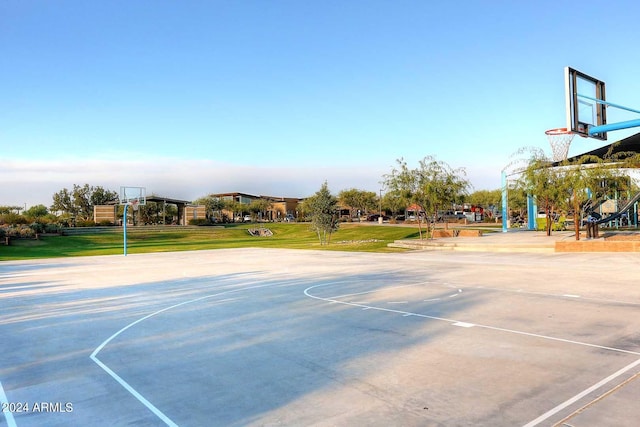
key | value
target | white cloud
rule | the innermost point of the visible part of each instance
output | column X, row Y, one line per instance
column 34, row 182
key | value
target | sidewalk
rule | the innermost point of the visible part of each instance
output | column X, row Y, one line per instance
column 525, row 241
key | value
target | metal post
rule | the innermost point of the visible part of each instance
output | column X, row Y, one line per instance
column 504, row 201
column 125, row 229
column 532, row 213
column 614, row 126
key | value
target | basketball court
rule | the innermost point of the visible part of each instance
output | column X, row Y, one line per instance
column 283, row 337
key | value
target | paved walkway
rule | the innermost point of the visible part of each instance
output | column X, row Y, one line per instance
column 511, row 241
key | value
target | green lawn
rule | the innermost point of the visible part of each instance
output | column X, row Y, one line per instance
column 350, row 237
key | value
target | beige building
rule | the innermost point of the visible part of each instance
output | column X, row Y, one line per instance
column 279, row 207
column 198, row 212
column 103, row 214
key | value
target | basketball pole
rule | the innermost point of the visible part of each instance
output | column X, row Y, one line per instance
column 504, row 201
column 125, row 228
column 614, row 126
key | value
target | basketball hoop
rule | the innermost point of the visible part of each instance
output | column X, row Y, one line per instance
column 134, row 204
column 559, row 139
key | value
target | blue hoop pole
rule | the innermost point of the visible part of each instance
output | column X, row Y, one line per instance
column 125, row 229
column 614, row 126
column 607, row 103
column 504, row 201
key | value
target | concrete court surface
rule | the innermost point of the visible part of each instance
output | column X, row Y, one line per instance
column 290, row 338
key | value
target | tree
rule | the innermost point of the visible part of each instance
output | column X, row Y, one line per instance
column 357, row 200
column 259, row 207
column 37, row 211
column 233, row 206
column 431, row 186
column 590, row 172
column 566, row 186
column 151, row 213
column 62, row 202
column 487, row 199
column 81, row 200
column 393, row 202
column 517, row 200
column 101, row 196
column 545, row 184
column 440, row 186
column 212, row 205
column 10, row 209
column 577, row 180
column 322, row 208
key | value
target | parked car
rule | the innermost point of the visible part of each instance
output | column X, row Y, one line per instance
column 289, row 218
column 451, row 216
column 247, row 218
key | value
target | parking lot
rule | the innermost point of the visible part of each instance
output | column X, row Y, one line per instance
column 284, row 337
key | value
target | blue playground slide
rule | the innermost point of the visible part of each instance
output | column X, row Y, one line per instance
column 624, row 209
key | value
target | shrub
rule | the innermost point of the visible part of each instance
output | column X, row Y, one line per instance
column 52, row 228
column 26, row 232
column 199, row 222
column 85, row 223
column 37, row 227
column 12, row 231
column 541, row 224
column 12, row 219
column 17, row 231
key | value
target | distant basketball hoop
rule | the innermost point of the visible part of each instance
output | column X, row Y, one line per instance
column 560, row 140
column 134, row 197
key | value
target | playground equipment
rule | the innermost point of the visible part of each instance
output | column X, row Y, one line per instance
column 586, row 116
column 626, row 208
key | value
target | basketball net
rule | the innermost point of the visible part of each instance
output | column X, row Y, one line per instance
column 134, row 204
column 560, row 140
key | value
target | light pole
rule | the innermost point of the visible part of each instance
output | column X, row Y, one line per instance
column 380, row 218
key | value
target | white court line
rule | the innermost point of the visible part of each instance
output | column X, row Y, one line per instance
column 464, row 324
column 553, row 411
column 157, row 412
column 547, row 337
column 126, row 385
column 455, row 321
column 520, row 291
column 580, row 395
column 11, row 422
column 367, row 307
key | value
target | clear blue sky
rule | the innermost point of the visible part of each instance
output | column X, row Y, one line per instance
column 275, row 97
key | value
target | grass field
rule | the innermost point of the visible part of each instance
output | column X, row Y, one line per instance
column 350, row 237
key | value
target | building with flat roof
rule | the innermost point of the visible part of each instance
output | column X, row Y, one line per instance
column 278, row 208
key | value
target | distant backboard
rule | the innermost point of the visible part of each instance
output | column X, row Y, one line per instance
column 583, row 109
column 133, row 195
